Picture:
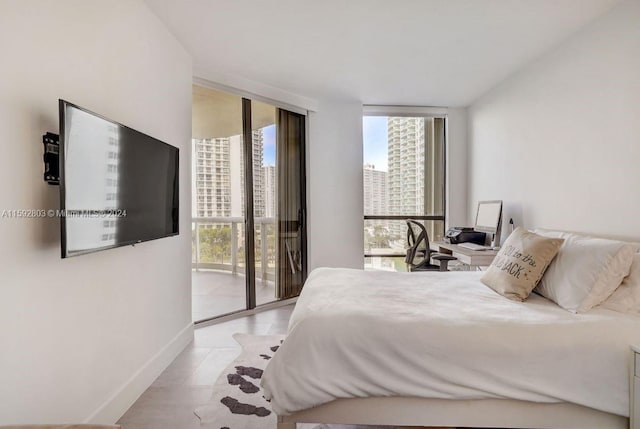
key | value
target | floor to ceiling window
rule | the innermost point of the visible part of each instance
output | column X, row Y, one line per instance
column 242, row 186
column 403, row 178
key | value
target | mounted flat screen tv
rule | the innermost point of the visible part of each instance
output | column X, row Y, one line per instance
column 118, row 186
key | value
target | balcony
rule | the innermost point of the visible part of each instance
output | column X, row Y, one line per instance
column 218, row 264
column 217, row 292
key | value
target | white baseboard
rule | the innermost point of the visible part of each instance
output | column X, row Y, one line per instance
column 114, row 407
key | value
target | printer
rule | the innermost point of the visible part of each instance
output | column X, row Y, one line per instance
column 464, row 234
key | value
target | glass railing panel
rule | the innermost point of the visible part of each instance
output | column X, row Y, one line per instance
column 215, row 245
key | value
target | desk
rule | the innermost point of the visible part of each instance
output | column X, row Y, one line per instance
column 385, row 253
column 472, row 258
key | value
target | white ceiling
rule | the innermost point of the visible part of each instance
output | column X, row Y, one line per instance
column 396, row 52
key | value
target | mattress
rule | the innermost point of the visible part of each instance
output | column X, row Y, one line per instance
column 357, row 333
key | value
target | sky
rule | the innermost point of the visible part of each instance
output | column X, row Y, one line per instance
column 269, row 145
column 374, row 138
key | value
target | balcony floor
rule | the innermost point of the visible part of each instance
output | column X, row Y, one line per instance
column 219, row 292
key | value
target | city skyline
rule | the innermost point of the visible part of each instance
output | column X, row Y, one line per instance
column 375, row 191
column 400, row 189
column 218, row 180
column 403, row 150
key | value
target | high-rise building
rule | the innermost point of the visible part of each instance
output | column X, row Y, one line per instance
column 258, row 179
column 375, row 190
column 212, row 177
column 269, row 177
column 219, row 176
column 406, row 158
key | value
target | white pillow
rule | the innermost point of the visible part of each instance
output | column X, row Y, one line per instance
column 626, row 299
column 586, row 270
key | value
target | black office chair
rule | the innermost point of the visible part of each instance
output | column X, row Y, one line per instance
column 419, row 254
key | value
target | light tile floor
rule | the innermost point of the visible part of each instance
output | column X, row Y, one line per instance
column 187, row 383
column 219, row 292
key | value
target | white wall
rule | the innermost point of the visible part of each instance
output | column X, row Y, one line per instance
column 560, row 141
column 80, row 338
column 334, row 185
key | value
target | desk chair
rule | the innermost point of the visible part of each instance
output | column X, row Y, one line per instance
column 419, row 254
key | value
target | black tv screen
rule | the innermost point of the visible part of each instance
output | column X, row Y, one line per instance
column 118, row 186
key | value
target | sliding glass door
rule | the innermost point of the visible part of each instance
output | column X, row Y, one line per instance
column 248, row 179
column 263, row 129
column 218, row 191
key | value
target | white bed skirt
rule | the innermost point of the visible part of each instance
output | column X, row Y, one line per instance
column 456, row 413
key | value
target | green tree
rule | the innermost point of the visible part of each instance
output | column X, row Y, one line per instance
column 380, row 237
column 215, row 244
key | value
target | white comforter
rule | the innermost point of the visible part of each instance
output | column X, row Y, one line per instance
column 355, row 333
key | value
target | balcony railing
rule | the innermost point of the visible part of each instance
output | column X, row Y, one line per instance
column 218, row 243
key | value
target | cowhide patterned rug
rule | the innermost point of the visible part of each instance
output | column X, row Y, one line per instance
column 237, row 401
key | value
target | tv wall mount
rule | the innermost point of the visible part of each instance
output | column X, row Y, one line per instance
column 51, row 158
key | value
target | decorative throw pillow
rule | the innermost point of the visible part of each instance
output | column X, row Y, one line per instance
column 586, row 271
column 520, row 264
column 626, row 299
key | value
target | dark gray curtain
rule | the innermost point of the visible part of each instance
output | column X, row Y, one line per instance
column 292, row 236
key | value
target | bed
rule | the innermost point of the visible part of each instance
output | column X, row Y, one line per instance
column 441, row 349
